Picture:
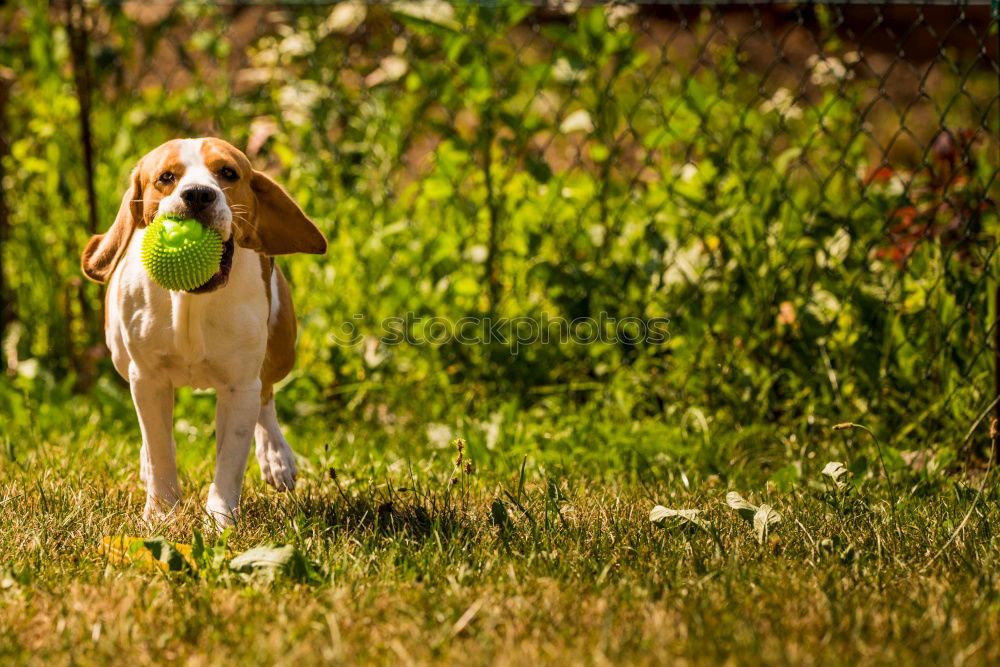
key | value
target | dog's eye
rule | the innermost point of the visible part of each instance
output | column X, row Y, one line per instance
column 228, row 173
column 166, row 177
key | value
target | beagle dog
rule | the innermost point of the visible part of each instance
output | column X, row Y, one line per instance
column 235, row 333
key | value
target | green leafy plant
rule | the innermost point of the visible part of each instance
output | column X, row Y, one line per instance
column 272, row 561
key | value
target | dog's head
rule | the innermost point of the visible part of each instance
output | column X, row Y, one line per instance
column 211, row 181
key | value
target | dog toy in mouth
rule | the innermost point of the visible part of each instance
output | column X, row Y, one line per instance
column 180, row 254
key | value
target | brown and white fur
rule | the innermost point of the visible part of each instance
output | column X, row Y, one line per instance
column 236, row 334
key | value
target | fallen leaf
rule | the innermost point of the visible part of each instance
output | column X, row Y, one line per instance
column 664, row 516
column 835, row 470
column 745, row 509
column 763, row 519
column 272, row 560
column 147, row 553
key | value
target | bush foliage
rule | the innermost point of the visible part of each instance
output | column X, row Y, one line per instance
column 473, row 161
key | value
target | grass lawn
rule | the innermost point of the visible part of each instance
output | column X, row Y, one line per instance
column 558, row 564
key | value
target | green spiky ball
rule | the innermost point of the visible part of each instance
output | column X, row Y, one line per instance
column 180, row 254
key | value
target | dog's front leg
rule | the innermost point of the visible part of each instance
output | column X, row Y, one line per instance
column 154, row 404
column 235, row 416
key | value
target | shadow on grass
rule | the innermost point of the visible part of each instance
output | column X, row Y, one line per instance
column 416, row 514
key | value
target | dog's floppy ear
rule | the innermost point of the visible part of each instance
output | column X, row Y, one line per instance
column 104, row 251
column 281, row 226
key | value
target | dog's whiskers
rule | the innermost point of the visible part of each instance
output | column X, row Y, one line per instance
column 245, row 221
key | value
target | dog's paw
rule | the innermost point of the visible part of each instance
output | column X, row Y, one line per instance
column 157, row 512
column 218, row 520
column 277, row 465
column 221, row 513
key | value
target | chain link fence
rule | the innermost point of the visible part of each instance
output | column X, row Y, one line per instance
column 806, row 191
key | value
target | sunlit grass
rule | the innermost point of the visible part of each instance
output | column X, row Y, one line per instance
column 500, row 566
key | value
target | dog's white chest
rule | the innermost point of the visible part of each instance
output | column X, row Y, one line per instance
column 201, row 340
column 188, row 323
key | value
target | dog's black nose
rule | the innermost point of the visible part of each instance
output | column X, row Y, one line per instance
column 197, row 197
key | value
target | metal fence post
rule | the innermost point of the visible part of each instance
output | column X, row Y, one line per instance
column 76, row 28
column 6, row 299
